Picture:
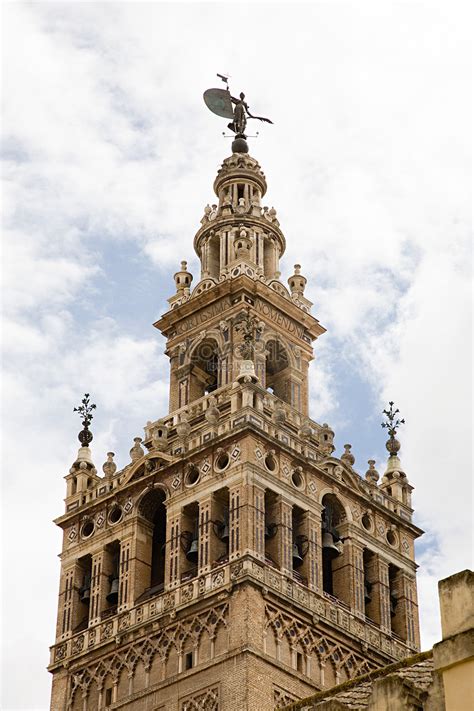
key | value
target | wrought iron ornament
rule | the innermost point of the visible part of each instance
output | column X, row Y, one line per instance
column 85, row 412
column 393, row 423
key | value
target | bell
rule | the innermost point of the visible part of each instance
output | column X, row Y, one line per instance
column 112, row 597
column 330, row 549
column 297, row 559
column 393, row 603
column 224, row 533
column 192, row 553
column 367, row 591
column 85, row 593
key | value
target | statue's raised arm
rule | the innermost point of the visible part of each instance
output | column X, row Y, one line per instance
column 222, row 103
column 241, row 111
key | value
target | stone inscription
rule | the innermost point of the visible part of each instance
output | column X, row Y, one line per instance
column 279, row 318
column 201, row 317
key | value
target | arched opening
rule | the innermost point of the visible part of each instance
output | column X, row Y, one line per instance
column 397, row 606
column 300, row 545
column 370, row 607
column 190, row 541
column 85, row 565
column 112, row 567
column 269, row 257
column 221, row 527
column 214, row 248
column 276, row 364
column 205, row 372
column 272, row 548
column 152, row 508
column 333, row 575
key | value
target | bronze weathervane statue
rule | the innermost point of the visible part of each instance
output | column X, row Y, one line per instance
column 220, row 102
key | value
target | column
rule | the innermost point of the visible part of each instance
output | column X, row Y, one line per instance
column 70, row 613
column 285, row 536
column 140, row 563
column 280, row 544
column 185, row 394
column 405, row 620
column 125, row 599
column 235, row 539
column 257, row 523
column 205, row 536
column 379, row 610
column 312, row 561
column 173, row 550
column 100, row 585
column 348, row 576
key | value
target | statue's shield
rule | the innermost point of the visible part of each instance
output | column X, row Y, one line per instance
column 219, row 102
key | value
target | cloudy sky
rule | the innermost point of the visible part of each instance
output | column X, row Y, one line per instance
column 109, row 158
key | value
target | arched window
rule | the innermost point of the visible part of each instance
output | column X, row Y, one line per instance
column 112, row 564
column 333, row 514
column 397, row 603
column 221, row 526
column 214, row 256
column 272, row 547
column 190, row 541
column 299, row 545
column 275, row 369
column 85, row 564
column 370, row 607
column 269, row 257
column 152, row 508
column 205, row 373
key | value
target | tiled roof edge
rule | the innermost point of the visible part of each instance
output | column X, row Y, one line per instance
column 370, row 676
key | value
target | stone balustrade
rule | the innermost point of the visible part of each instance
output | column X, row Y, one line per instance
column 321, row 605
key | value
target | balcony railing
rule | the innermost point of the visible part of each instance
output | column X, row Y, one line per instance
column 156, row 601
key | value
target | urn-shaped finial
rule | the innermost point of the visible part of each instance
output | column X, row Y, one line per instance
column 372, row 474
column 137, row 450
column 348, row 457
column 212, row 413
column 109, row 467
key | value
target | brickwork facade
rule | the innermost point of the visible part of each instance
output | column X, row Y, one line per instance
column 234, row 563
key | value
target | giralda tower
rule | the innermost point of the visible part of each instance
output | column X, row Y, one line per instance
column 234, row 563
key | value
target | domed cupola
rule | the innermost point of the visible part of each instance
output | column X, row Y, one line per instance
column 239, row 186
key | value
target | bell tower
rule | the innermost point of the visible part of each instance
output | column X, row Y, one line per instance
column 235, row 562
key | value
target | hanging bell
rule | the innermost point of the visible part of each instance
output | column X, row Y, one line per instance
column 297, row 559
column 367, row 592
column 112, row 597
column 192, row 552
column 393, row 603
column 85, row 593
column 224, row 532
column 330, row 549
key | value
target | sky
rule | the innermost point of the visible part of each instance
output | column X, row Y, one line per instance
column 109, row 155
